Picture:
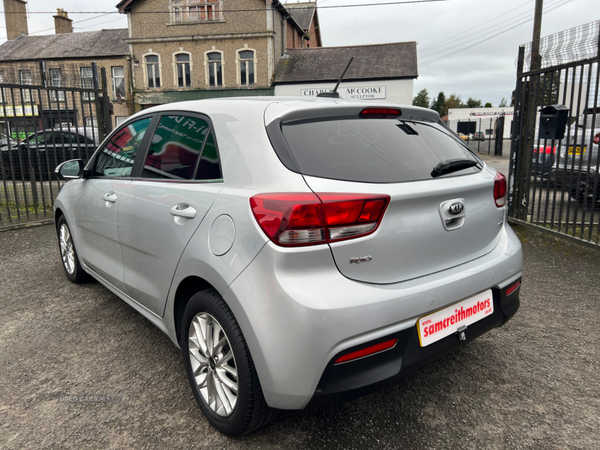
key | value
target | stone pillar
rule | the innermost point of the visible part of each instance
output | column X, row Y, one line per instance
column 15, row 14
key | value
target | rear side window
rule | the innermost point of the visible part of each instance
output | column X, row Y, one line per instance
column 372, row 150
column 182, row 148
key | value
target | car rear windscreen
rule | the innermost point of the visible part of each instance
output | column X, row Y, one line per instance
column 373, row 150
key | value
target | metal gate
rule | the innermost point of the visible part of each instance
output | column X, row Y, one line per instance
column 40, row 127
column 554, row 178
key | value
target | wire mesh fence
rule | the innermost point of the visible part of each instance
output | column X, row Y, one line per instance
column 574, row 44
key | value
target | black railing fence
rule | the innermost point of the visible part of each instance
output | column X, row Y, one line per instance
column 41, row 126
column 554, row 173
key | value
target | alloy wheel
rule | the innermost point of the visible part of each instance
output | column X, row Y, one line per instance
column 213, row 364
column 67, row 251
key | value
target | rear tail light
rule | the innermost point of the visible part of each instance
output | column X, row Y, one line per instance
column 372, row 350
column 596, row 139
column 380, row 113
column 548, row 149
column 298, row 219
column 500, row 190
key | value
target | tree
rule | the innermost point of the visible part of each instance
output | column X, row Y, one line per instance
column 439, row 105
column 422, row 99
column 474, row 103
column 453, row 102
column 488, row 105
column 503, row 103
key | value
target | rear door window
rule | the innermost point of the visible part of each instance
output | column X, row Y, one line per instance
column 183, row 147
column 373, row 150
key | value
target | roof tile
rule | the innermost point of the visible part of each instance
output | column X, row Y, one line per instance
column 92, row 44
column 397, row 60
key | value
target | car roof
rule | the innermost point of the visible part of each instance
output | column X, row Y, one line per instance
column 278, row 106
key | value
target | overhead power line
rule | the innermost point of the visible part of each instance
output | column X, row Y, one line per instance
column 288, row 8
column 101, row 23
column 77, row 21
column 492, row 29
column 552, row 8
column 452, row 38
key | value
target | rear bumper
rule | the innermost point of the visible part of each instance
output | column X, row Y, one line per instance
column 344, row 382
column 297, row 313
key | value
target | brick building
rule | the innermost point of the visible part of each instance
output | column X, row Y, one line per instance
column 193, row 49
column 172, row 50
column 64, row 59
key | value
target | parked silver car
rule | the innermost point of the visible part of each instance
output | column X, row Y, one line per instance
column 300, row 252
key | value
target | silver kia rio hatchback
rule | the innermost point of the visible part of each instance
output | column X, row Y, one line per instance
column 299, row 252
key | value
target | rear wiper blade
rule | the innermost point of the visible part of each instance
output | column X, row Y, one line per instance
column 452, row 165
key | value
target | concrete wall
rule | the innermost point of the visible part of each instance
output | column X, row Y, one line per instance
column 396, row 91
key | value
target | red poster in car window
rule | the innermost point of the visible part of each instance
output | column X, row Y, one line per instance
column 175, row 147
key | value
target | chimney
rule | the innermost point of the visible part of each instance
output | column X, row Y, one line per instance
column 62, row 23
column 15, row 14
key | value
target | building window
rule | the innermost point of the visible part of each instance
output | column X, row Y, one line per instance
column 87, row 82
column 215, row 69
column 153, row 71
column 246, row 64
column 195, row 10
column 184, row 72
column 91, row 122
column 119, row 120
column 118, row 76
column 56, row 81
column 25, row 78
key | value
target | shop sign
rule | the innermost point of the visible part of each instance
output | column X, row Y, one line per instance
column 358, row 93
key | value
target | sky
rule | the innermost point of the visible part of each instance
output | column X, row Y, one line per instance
column 466, row 47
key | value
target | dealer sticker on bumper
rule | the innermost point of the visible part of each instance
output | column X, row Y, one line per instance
column 447, row 321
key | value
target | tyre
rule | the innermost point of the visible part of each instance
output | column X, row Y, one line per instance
column 68, row 254
column 219, row 367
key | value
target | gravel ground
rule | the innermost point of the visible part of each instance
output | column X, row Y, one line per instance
column 534, row 383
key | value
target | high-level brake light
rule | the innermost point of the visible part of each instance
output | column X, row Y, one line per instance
column 380, row 113
column 298, row 219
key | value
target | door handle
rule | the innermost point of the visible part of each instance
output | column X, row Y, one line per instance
column 183, row 210
column 110, row 197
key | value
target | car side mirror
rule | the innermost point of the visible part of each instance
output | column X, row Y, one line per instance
column 70, row 170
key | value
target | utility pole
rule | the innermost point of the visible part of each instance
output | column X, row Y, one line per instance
column 536, row 60
column 531, row 114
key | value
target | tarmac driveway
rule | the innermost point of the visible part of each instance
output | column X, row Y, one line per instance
column 81, row 369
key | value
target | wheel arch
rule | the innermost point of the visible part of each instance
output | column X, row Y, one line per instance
column 58, row 213
column 185, row 291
